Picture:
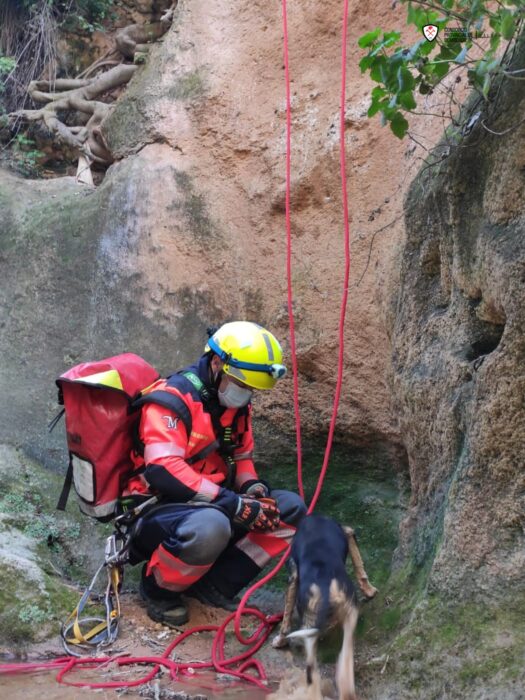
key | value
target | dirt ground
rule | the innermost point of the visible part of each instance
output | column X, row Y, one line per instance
column 139, row 636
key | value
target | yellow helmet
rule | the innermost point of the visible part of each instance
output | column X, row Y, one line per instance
column 250, row 353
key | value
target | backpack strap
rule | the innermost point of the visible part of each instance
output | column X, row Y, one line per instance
column 224, row 444
column 66, row 488
column 189, row 380
column 198, row 384
column 170, row 401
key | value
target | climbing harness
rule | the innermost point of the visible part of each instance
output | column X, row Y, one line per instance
column 226, row 444
column 81, row 634
column 77, row 633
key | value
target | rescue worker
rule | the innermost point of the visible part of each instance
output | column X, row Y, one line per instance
column 218, row 524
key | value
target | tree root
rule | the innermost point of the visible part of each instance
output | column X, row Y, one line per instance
column 79, row 95
column 82, row 95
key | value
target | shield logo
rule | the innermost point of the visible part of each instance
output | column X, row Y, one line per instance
column 430, row 32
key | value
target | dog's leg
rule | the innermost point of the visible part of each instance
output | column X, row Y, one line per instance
column 309, row 637
column 313, row 677
column 345, row 663
column 367, row 589
column 280, row 639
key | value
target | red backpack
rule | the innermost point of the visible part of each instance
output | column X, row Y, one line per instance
column 100, row 417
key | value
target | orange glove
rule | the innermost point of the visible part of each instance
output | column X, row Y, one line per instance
column 257, row 515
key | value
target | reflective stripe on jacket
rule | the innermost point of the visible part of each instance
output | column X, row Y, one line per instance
column 189, row 468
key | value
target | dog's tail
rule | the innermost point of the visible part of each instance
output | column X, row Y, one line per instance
column 345, row 663
column 309, row 638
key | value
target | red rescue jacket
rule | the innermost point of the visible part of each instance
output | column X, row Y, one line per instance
column 190, row 468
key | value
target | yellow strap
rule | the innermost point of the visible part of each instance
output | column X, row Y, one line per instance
column 84, row 638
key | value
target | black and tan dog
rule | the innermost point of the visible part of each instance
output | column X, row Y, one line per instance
column 325, row 596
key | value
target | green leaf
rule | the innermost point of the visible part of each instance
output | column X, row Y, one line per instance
column 399, row 125
column 366, row 62
column 427, row 48
column 486, row 85
column 6, row 64
column 414, row 50
column 389, row 38
column 369, row 38
column 419, row 16
column 377, row 100
column 508, row 24
column 374, row 108
column 378, row 92
column 378, row 70
column 406, row 100
column 449, row 52
column 439, row 70
column 481, row 68
column 462, row 55
column 492, row 65
column 495, row 41
column 411, row 14
column 472, row 77
column 405, row 79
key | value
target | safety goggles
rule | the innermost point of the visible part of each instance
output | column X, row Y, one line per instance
column 275, row 370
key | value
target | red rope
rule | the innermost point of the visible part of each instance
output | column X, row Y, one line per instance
column 344, row 299
column 219, row 662
column 291, row 319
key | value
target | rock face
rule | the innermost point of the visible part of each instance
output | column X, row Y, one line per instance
column 458, row 351
column 188, row 227
column 187, row 230
column 40, row 551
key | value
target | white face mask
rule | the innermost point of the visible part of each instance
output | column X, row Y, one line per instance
column 234, row 396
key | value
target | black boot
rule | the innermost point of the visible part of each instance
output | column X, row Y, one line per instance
column 204, row 591
column 166, row 607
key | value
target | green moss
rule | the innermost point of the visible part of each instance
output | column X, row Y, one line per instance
column 361, row 489
column 187, row 86
column 128, row 125
column 30, row 609
column 193, row 207
column 390, row 618
column 461, row 646
column 42, row 551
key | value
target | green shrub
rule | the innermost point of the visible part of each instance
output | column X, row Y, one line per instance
column 26, row 158
column 402, row 73
column 90, row 11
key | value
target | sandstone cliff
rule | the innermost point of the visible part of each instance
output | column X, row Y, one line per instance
column 187, row 229
column 188, row 226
